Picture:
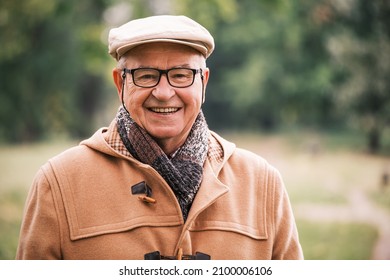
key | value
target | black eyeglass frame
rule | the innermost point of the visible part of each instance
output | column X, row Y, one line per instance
column 161, row 72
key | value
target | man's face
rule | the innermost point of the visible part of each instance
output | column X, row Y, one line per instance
column 165, row 112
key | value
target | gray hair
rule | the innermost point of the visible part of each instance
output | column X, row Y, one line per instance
column 121, row 62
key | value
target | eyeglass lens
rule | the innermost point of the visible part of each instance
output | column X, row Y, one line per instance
column 177, row 77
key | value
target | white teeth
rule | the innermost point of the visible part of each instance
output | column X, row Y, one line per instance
column 164, row 110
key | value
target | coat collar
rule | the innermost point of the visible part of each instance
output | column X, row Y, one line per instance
column 106, row 140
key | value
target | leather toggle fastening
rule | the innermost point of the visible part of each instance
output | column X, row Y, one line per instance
column 157, row 256
column 145, row 190
column 146, row 199
column 179, row 255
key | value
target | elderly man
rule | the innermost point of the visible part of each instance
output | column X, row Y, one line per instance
column 157, row 183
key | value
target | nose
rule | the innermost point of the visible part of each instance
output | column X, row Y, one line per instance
column 163, row 91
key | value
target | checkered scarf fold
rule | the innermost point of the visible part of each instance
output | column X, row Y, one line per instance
column 182, row 172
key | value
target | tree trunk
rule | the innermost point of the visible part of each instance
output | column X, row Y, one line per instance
column 374, row 140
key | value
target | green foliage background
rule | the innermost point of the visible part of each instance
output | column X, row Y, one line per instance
column 318, row 64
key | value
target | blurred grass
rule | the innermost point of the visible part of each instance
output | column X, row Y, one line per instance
column 316, row 168
column 336, row 241
column 382, row 198
column 11, row 204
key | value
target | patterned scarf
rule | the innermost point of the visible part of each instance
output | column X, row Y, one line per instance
column 182, row 172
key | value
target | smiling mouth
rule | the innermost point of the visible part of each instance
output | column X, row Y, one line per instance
column 164, row 110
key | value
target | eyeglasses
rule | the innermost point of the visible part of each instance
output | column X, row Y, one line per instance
column 150, row 77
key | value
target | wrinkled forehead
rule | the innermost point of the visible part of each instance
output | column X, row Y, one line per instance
column 164, row 53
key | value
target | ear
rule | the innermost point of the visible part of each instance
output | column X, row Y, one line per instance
column 118, row 77
column 205, row 79
column 206, row 74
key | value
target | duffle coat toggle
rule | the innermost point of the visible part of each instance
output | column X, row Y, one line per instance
column 145, row 190
column 180, row 256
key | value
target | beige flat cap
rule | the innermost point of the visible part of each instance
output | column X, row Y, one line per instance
column 165, row 28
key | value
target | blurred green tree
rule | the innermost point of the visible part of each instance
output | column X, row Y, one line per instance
column 271, row 66
column 362, row 47
column 50, row 65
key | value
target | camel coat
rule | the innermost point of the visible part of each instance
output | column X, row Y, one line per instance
column 82, row 206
